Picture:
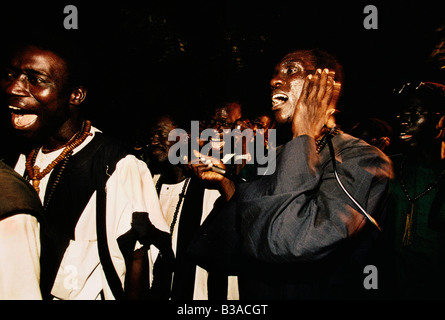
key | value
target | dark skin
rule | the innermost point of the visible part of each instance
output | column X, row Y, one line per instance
column 301, row 98
column 159, row 147
column 421, row 131
column 43, row 107
column 225, row 118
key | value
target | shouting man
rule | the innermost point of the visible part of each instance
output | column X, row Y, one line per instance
column 306, row 230
column 88, row 184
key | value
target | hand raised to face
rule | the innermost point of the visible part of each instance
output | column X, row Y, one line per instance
column 202, row 167
column 317, row 104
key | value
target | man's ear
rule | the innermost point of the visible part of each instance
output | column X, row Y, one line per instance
column 78, row 95
column 330, row 118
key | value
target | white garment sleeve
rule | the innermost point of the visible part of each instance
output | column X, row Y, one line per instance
column 19, row 258
column 131, row 189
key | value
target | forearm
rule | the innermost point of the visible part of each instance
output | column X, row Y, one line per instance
column 227, row 188
column 276, row 209
column 301, row 213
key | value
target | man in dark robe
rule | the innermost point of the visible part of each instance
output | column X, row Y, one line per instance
column 416, row 237
column 309, row 229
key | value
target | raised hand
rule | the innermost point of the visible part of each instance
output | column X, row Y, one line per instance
column 316, row 105
column 203, row 170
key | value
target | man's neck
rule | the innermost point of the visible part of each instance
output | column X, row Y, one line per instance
column 429, row 154
column 63, row 135
column 174, row 174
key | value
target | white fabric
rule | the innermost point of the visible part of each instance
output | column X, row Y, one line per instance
column 19, row 258
column 129, row 189
column 169, row 198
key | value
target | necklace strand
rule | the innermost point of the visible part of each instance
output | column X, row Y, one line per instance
column 178, row 205
column 407, row 235
column 34, row 172
column 321, row 142
column 74, row 137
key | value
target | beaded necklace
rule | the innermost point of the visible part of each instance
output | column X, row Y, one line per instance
column 407, row 235
column 34, row 172
column 321, row 142
column 178, row 205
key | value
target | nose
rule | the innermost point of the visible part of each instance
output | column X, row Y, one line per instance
column 403, row 122
column 153, row 139
column 405, row 118
column 17, row 86
column 276, row 82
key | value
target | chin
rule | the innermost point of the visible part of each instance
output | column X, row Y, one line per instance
column 280, row 118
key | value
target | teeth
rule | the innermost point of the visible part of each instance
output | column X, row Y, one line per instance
column 405, row 136
column 217, row 144
column 14, row 108
column 280, row 96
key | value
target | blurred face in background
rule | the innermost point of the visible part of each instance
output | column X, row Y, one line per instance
column 416, row 125
column 159, row 145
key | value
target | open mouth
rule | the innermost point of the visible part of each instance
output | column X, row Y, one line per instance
column 217, row 143
column 156, row 149
column 278, row 99
column 405, row 136
column 21, row 118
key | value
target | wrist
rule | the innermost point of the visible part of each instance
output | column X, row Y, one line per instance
column 227, row 188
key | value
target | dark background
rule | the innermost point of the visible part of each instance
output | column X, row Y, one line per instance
column 184, row 56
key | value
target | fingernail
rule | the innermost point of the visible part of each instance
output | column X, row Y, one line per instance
column 326, row 70
column 309, row 76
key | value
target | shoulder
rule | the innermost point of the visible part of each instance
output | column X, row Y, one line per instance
column 350, row 145
column 17, row 195
column 10, row 177
column 352, row 150
column 105, row 150
column 106, row 143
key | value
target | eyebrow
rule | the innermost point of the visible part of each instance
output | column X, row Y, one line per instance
column 27, row 71
column 37, row 72
column 287, row 62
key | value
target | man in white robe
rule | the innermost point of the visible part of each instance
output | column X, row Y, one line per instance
column 43, row 92
column 20, row 210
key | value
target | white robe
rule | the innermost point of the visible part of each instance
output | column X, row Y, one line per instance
column 130, row 188
column 19, row 258
column 169, row 197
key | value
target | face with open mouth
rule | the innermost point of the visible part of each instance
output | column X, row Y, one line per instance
column 414, row 125
column 33, row 86
column 287, row 84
